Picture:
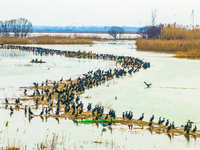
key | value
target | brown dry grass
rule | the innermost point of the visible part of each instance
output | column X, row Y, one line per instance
column 182, row 48
column 13, row 40
column 173, row 32
column 174, row 39
column 46, row 39
column 167, row 45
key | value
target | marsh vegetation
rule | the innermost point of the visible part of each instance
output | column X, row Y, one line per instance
column 182, row 41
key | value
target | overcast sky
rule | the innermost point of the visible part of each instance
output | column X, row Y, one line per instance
column 100, row 12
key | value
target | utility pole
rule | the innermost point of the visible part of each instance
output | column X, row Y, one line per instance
column 192, row 16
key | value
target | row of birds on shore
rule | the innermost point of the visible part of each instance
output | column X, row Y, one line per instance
column 187, row 127
column 98, row 111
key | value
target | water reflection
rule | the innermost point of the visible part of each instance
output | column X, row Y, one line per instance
column 110, row 128
column 187, row 137
column 57, row 119
column 11, row 113
column 130, row 127
column 30, row 117
column 169, row 136
column 42, row 118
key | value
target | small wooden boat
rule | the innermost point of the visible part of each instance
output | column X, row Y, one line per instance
column 37, row 61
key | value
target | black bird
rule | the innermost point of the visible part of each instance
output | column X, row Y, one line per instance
column 188, row 130
column 81, row 111
column 42, row 98
column 109, row 123
column 148, row 85
column 77, row 99
column 29, row 111
column 93, row 112
column 42, row 111
column 61, row 79
column 17, row 101
column 173, row 126
column 73, row 112
column 36, row 102
column 6, row 100
column 169, row 128
column 106, row 116
column 57, row 112
column 166, row 124
column 97, row 117
column 152, row 118
column 159, row 121
column 185, row 127
column 195, row 129
column 67, row 108
column 142, row 117
column 89, row 107
column 76, row 115
column 123, row 115
column 162, row 121
column 150, row 123
column 25, row 90
column 11, row 109
column 51, row 104
column 25, row 110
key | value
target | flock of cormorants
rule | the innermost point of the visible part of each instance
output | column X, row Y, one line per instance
column 63, row 95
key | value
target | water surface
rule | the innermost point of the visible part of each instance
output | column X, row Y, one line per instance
column 174, row 94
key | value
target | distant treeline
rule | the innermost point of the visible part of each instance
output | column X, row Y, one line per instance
column 17, row 27
column 81, row 29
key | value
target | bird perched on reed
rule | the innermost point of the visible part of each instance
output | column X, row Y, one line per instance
column 169, row 128
column 195, row 129
column 142, row 117
column 152, row 118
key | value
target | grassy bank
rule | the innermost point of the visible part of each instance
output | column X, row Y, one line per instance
column 179, row 41
column 75, row 39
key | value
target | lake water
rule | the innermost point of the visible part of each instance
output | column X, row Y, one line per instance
column 174, row 94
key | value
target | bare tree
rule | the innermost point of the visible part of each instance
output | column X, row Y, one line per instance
column 25, row 26
column 153, row 16
column 6, row 28
column 19, row 27
column 14, row 26
column 121, row 31
column 114, row 31
column 28, row 29
column 1, row 27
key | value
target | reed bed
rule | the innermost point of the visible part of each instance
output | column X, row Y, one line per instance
column 13, row 40
column 75, row 39
column 182, row 48
column 173, row 32
column 167, row 45
column 58, row 40
column 181, row 41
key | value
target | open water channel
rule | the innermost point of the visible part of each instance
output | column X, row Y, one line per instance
column 174, row 94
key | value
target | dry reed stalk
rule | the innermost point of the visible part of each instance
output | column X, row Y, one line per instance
column 47, row 40
column 173, row 32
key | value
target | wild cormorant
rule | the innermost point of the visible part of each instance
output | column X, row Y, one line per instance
column 194, row 130
column 148, row 85
column 142, row 117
